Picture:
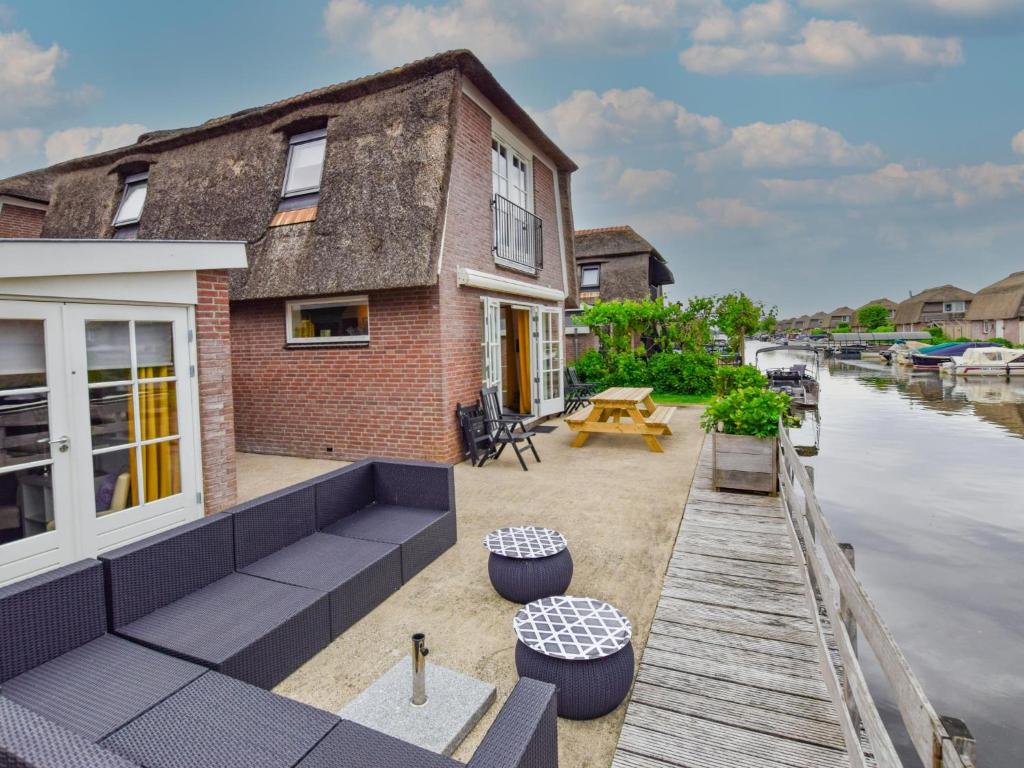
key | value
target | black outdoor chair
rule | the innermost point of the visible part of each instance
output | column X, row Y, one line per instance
column 577, row 392
column 486, row 439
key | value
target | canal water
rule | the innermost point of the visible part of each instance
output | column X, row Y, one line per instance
column 925, row 477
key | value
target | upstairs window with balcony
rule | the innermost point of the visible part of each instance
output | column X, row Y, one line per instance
column 518, row 234
column 129, row 210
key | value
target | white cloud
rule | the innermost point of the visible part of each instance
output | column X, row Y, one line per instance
column 76, row 142
column 756, row 22
column 637, row 184
column 1017, row 143
column 792, row 144
column 27, row 72
column 962, row 186
column 733, row 213
column 18, row 140
column 588, row 119
column 824, row 47
column 501, row 31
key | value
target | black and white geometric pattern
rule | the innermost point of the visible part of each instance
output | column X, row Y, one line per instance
column 572, row 628
column 525, row 542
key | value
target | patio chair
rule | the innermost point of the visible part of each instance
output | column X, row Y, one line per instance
column 501, row 432
column 577, row 395
column 492, row 410
column 578, row 384
column 477, row 437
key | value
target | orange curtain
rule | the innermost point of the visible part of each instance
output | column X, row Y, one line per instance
column 523, row 335
column 161, row 470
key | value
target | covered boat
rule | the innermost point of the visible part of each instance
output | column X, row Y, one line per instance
column 930, row 358
column 901, row 351
column 796, row 381
column 986, row 361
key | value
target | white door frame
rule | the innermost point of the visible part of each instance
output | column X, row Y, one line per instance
column 42, row 551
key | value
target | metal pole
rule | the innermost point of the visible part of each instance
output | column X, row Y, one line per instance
column 419, row 669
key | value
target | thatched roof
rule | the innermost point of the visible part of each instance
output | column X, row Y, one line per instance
column 909, row 311
column 840, row 311
column 1000, row 301
column 887, row 303
column 34, row 186
column 609, row 242
column 382, row 204
column 818, row 320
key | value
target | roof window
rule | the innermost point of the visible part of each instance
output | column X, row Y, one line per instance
column 305, row 163
column 129, row 211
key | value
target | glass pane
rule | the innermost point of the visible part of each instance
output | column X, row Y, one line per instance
column 131, row 205
column 108, row 350
column 112, row 417
column 22, row 354
column 154, row 349
column 24, row 421
column 158, row 409
column 26, row 504
column 306, row 163
column 161, row 464
column 330, row 321
column 115, row 480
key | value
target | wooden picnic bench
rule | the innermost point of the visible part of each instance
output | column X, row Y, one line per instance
column 605, row 412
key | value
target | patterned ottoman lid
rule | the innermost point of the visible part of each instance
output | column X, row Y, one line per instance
column 525, row 542
column 572, row 628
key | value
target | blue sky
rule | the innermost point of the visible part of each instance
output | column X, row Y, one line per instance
column 810, row 152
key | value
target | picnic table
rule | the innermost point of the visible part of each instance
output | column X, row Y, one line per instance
column 605, row 412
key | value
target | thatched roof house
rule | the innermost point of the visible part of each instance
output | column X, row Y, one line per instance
column 818, row 320
column 1003, row 300
column 887, row 303
column 841, row 315
column 623, row 264
column 933, row 305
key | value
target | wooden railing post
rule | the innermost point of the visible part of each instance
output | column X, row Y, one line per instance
column 963, row 740
column 846, row 616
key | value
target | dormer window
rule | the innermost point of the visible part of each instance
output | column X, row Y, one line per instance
column 129, row 211
column 305, row 163
column 590, row 277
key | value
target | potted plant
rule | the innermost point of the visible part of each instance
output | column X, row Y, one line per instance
column 744, row 427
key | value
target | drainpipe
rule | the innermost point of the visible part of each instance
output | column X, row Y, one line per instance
column 419, row 669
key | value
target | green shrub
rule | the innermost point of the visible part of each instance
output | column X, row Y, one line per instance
column 685, row 373
column 842, row 328
column 732, row 377
column 748, row 411
column 884, row 329
column 938, row 337
column 591, row 367
column 627, row 370
column 1001, row 341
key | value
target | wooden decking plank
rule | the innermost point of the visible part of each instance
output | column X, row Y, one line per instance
column 738, row 740
column 684, row 750
column 739, row 499
column 749, row 523
column 789, row 573
column 753, row 555
column 757, row 539
column 737, row 693
column 785, row 665
column 714, row 638
column 731, row 580
column 736, row 620
column 741, row 715
column 761, row 600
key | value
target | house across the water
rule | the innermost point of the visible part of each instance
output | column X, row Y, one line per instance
column 997, row 310
column 945, row 306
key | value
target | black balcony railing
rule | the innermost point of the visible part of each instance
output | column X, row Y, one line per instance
column 518, row 235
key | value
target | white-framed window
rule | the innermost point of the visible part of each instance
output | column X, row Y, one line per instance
column 986, row 326
column 590, row 277
column 305, row 163
column 954, row 306
column 510, row 174
column 133, row 199
column 328, row 321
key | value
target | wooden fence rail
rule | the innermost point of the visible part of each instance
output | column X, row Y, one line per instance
column 852, row 614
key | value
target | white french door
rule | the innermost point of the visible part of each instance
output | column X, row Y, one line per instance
column 492, row 343
column 36, row 524
column 97, row 430
column 548, row 360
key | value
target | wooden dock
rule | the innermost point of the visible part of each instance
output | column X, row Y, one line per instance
column 733, row 675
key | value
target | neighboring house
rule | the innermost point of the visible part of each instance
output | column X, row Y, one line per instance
column 409, row 238
column 115, row 394
column 23, row 205
column 818, row 320
column 842, row 315
column 800, row 324
column 945, row 306
column 997, row 310
column 784, row 325
column 889, row 304
column 613, row 263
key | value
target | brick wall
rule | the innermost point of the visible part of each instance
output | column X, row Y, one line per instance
column 19, row 221
column 216, row 405
column 378, row 399
column 577, row 345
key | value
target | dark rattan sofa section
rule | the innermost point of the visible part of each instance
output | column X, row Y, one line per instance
column 65, row 667
column 29, row 740
column 177, row 592
column 219, row 722
column 411, row 504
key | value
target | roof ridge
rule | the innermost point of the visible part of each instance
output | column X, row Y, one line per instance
column 598, row 230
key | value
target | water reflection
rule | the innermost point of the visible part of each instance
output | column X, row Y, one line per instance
column 923, row 475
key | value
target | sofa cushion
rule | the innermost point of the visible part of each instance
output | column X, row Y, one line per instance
column 29, row 739
column 350, row 745
column 98, row 687
column 414, row 484
column 356, row 573
column 343, row 492
column 45, row 616
column 156, row 571
column 250, row 628
column 217, row 722
column 266, row 524
column 423, row 534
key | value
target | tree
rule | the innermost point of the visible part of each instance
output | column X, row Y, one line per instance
column 738, row 316
column 872, row 316
column 843, row 328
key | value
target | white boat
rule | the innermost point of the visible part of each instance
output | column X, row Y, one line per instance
column 986, row 361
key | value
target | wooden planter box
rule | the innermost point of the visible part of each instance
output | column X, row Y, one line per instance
column 743, row 463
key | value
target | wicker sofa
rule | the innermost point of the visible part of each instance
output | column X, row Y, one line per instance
column 252, row 592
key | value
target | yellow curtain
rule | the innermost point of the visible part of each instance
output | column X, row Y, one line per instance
column 523, row 334
column 160, row 466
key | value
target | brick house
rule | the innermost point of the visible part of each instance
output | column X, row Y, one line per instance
column 945, row 306
column 613, row 263
column 997, row 310
column 23, row 206
column 407, row 233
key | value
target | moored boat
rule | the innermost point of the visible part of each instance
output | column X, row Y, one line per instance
column 930, row 358
column 796, row 381
column 986, row 361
